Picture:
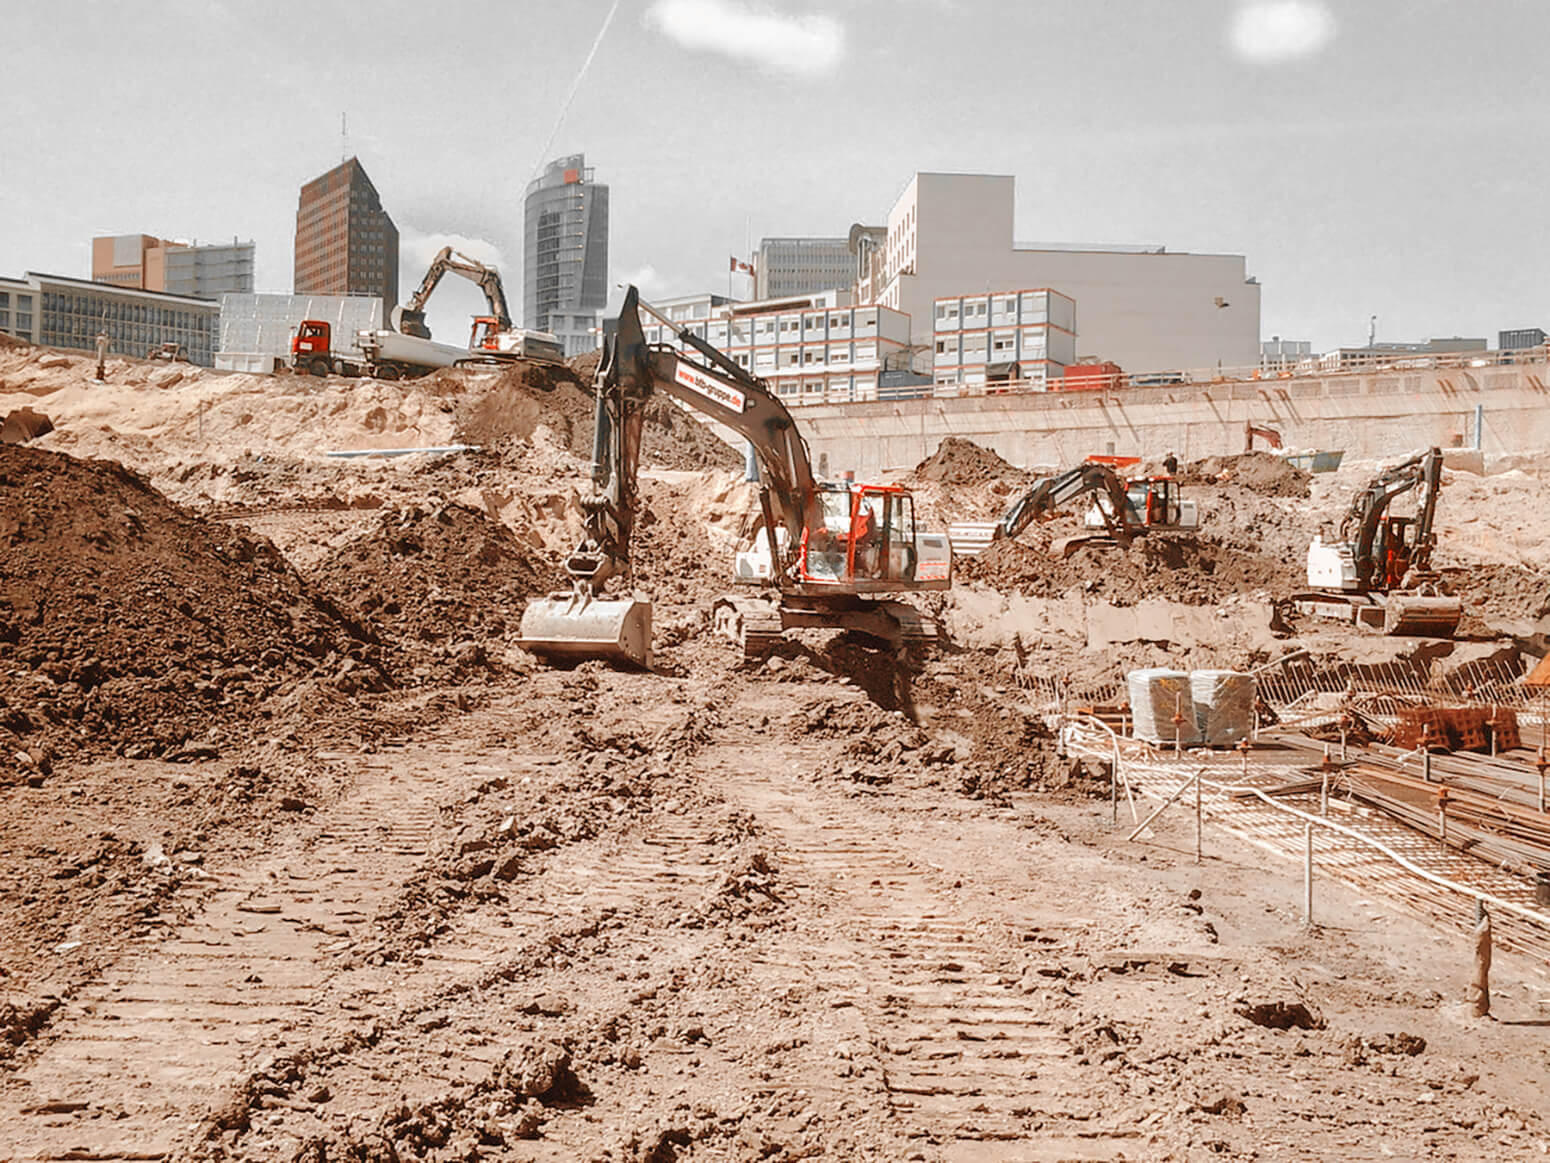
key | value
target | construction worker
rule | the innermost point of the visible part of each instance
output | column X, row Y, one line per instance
column 1170, row 464
column 102, row 355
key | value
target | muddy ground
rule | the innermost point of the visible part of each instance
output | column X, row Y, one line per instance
column 304, row 859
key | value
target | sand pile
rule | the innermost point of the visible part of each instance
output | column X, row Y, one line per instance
column 962, row 462
column 128, row 623
column 1259, row 472
column 437, row 576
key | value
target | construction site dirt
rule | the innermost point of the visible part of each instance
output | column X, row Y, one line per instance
column 303, row 858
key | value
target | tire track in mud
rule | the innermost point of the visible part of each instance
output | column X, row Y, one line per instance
column 137, row 1056
column 964, row 1061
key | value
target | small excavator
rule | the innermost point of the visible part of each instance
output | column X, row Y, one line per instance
column 1379, row 571
column 1121, row 512
column 831, row 551
column 493, row 339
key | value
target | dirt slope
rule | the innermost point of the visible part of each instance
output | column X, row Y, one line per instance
column 128, row 623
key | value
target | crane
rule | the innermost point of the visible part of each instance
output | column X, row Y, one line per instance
column 1378, row 571
column 831, row 551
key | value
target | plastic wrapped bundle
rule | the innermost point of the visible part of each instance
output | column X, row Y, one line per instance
column 1224, row 705
column 1156, row 695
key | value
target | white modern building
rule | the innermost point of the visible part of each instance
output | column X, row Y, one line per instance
column 812, row 349
column 1026, row 336
column 1277, row 354
column 1144, row 308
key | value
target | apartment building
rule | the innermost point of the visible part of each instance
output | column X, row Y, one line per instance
column 1026, row 335
column 57, row 311
column 1145, row 308
column 812, row 349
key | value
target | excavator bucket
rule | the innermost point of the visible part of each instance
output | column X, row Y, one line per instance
column 1416, row 615
column 577, row 626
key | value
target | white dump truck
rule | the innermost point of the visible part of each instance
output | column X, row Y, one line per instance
column 391, row 355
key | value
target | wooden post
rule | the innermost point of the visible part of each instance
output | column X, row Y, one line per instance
column 1114, row 786
column 1197, row 819
column 1480, row 983
column 1307, row 875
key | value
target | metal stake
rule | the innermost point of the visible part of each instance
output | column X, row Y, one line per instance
column 1197, row 819
column 1307, row 874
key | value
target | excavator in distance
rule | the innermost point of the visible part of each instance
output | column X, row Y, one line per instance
column 1379, row 571
column 493, row 339
column 831, row 551
column 1121, row 511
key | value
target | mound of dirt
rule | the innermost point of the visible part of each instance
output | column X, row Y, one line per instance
column 446, row 575
column 1192, row 572
column 559, row 398
column 1500, row 592
column 962, row 462
column 129, row 623
column 1259, row 472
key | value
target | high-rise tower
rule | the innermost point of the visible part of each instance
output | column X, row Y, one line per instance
column 565, row 253
column 345, row 242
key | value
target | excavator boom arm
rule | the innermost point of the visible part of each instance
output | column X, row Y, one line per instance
column 633, row 372
column 412, row 315
column 1360, row 524
column 1049, row 494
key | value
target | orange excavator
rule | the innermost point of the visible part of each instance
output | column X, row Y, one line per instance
column 832, row 553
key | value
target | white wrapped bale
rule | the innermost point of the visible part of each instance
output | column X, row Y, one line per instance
column 1224, row 705
column 1156, row 695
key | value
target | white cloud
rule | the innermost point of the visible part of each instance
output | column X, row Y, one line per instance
column 416, row 249
column 647, row 279
column 1272, row 31
column 752, row 33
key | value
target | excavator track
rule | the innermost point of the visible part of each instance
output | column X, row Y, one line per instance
column 758, row 625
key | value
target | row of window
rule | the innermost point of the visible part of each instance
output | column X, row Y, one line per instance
column 1024, row 307
column 98, row 308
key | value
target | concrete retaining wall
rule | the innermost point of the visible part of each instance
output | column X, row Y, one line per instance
column 1370, row 415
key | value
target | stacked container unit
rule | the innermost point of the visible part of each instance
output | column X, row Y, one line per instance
column 822, row 353
column 977, row 337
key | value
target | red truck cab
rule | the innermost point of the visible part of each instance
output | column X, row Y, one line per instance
column 311, row 348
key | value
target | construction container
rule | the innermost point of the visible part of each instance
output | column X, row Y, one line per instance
column 1090, row 377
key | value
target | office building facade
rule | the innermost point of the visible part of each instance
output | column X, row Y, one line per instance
column 57, row 311
column 812, row 349
column 565, row 254
column 346, row 244
column 179, row 268
column 1144, row 308
column 802, row 266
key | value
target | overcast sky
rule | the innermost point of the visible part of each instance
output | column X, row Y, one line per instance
column 1369, row 157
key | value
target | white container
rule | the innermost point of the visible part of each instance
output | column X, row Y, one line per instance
column 1224, row 706
column 1157, row 695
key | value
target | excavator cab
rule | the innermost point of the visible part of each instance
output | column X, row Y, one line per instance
column 866, row 535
